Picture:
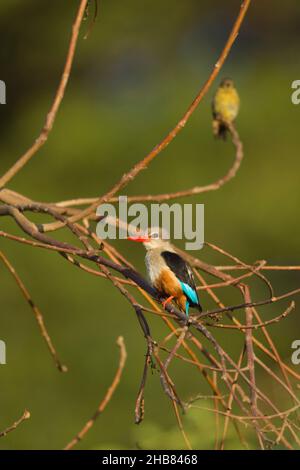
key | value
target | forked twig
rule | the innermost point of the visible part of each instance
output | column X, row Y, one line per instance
column 240, row 397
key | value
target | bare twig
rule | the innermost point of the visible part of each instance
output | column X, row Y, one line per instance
column 106, row 399
column 25, row 415
column 37, row 313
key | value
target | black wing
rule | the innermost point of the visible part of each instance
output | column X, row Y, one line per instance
column 182, row 270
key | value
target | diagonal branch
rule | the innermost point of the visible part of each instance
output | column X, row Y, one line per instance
column 37, row 313
column 25, row 415
column 106, row 399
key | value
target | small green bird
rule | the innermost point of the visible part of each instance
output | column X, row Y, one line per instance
column 225, row 107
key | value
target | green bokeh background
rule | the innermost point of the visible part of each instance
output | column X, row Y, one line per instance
column 132, row 79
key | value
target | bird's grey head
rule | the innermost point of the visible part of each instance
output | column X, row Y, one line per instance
column 155, row 238
column 227, row 83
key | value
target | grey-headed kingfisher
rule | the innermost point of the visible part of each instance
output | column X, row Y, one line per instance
column 169, row 273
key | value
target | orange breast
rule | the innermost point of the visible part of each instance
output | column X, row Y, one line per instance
column 168, row 285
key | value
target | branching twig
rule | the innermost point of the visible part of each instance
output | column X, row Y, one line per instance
column 244, row 392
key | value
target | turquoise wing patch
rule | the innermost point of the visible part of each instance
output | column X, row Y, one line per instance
column 189, row 292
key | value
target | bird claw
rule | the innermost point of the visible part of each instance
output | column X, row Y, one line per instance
column 165, row 302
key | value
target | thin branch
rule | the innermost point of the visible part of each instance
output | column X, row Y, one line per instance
column 180, row 426
column 163, row 371
column 37, row 313
column 184, row 193
column 254, row 270
column 281, row 414
column 251, row 366
column 25, row 415
column 264, row 268
column 106, row 399
column 256, row 326
column 230, row 401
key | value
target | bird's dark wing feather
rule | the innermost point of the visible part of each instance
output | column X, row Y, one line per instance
column 182, row 271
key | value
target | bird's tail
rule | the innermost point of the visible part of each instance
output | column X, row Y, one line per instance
column 219, row 129
column 189, row 304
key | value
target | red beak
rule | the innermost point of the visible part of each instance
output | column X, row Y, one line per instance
column 138, row 239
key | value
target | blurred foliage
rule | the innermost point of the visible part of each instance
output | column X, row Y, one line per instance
column 133, row 77
column 199, row 425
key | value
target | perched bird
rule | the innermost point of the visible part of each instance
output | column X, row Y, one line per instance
column 168, row 272
column 225, row 107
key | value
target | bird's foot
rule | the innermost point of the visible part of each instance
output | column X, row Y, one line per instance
column 165, row 302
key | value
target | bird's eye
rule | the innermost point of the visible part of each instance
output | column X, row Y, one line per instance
column 154, row 235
